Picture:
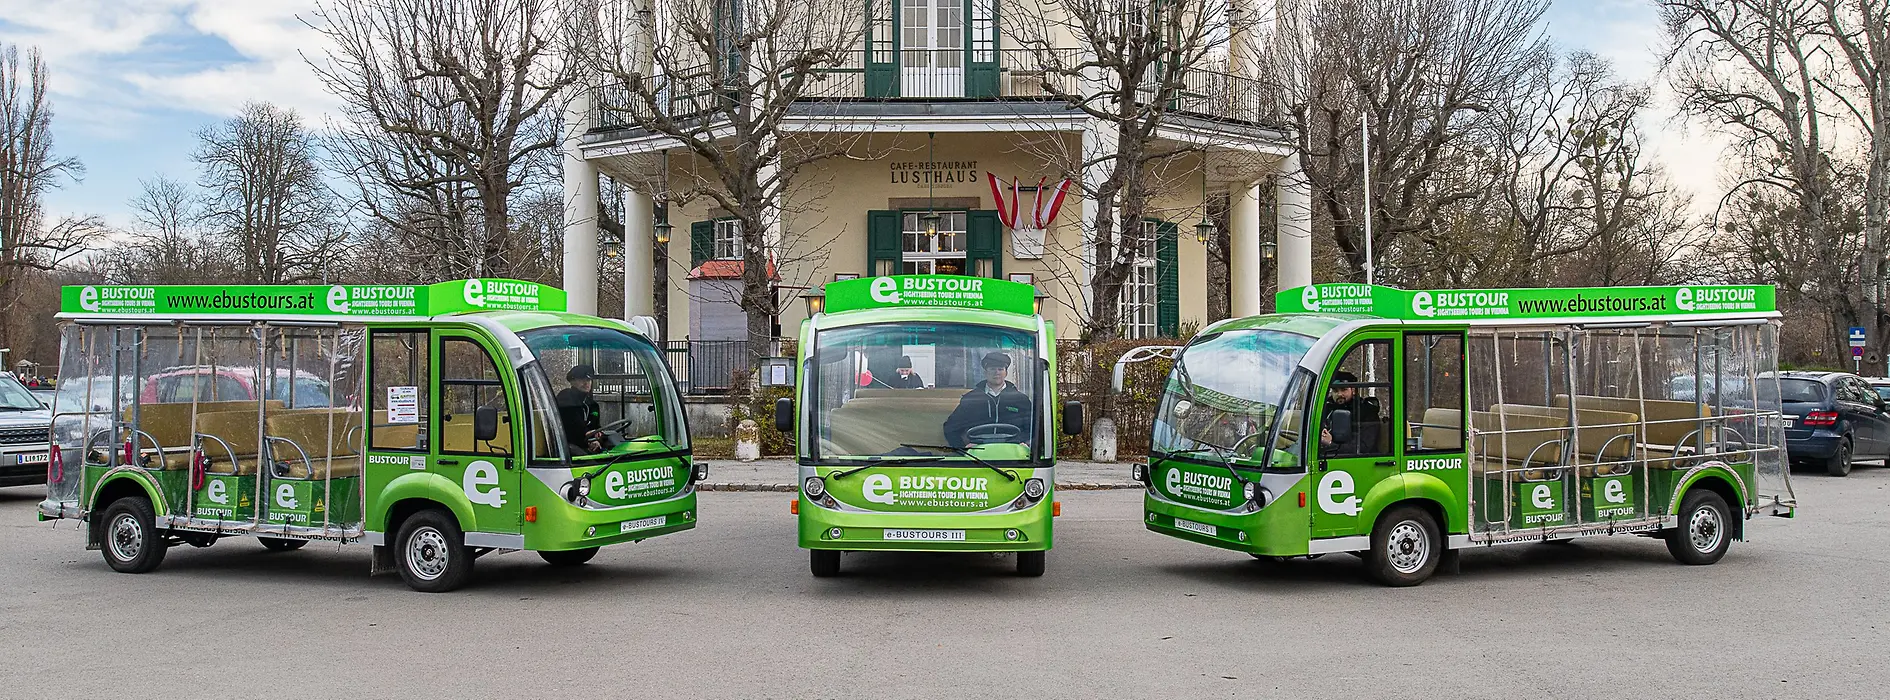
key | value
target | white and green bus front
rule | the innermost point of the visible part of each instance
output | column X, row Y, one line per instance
column 926, row 420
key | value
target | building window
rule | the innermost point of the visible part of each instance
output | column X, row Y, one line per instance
column 922, row 254
column 1136, row 307
column 728, row 239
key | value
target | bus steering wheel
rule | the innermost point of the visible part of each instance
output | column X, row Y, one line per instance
column 987, row 433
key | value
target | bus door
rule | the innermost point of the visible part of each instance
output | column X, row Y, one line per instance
column 1358, row 433
column 474, row 420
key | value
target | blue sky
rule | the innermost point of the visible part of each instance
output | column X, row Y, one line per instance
column 133, row 81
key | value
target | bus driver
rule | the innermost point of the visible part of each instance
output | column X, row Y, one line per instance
column 994, row 400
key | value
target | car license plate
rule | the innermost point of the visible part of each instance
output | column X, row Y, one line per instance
column 643, row 524
column 925, row 535
column 40, row 458
column 1193, row 526
column 1791, row 421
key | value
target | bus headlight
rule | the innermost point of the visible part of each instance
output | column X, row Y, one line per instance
column 1033, row 488
column 814, row 486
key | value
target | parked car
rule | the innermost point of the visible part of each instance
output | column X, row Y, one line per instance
column 1881, row 385
column 24, row 426
column 1833, row 419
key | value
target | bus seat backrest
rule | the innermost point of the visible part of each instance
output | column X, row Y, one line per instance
column 952, row 393
column 872, row 426
column 1526, row 433
column 169, row 423
column 1668, row 422
column 456, row 435
column 319, row 432
column 1595, row 428
column 1431, row 436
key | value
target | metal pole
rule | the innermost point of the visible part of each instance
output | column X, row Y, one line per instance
column 1365, row 161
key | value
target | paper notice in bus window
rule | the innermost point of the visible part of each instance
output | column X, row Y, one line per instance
column 403, row 404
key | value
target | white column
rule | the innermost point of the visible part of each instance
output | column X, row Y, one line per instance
column 639, row 215
column 580, row 210
column 1294, row 220
column 1243, row 252
column 1098, row 141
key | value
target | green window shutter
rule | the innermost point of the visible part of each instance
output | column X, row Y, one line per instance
column 882, row 242
column 882, row 50
column 984, row 240
column 1167, row 280
column 701, row 243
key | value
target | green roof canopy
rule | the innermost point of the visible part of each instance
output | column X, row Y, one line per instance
column 1548, row 303
column 310, row 300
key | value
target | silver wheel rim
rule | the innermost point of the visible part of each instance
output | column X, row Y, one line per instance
column 427, row 555
column 1704, row 529
column 126, row 537
column 1408, row 547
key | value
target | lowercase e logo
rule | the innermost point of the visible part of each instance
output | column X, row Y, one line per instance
column 1173, row 481
column 1334, row 485
column 1309, row 298
column 1542, row 497
column 338, row 299
column 88, row 298
column 285, row 497
column 1683, row 299
column 479, row 475
column 475, row 293
column 1421, row 304
column 1614, row 492
column 885, row 290
column 878, row 487
column 219, row 492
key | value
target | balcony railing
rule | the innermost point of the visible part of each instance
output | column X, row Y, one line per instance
column 938, row 75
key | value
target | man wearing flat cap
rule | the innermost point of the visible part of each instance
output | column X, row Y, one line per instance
column 577, row 410
column 905, row 377
column 994, row 400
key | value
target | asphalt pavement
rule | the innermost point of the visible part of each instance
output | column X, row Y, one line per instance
column 729, row 611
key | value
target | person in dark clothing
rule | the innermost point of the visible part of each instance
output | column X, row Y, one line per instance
column 577, row 410
column 994, row 400
column 1365, row 429
column 905, row 378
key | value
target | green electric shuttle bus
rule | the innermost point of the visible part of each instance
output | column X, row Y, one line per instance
column 926, row 420
column 436, row 423
column 1403, row 426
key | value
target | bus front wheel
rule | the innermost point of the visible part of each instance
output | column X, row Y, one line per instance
column 432, row 553
column 129, row 537
column 1030, row 563
column 825, row 563
column 1405, row 547
column 1705, row 530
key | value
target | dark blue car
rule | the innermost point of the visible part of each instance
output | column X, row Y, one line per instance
column 1833, row 419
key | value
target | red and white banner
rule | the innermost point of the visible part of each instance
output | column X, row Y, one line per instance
column 1046, row 212
column 1043, row 211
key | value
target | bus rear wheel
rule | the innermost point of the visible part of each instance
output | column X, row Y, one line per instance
column 431, row 552
column 128, row 536
column 1405, row 547
column 568, row 557
column 278, row 544
column 825, row 563
column 1030, row 563
column 1705, row 531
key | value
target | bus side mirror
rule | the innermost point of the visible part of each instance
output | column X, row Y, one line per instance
column 485, row 424
column 784, row 415
column 1340, row 425
column 1073, row 418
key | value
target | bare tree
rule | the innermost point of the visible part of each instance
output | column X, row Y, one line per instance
column 265, row 197
column 1426, row 75
column 1134, row 63
column 452, row 99
column 165, row 245
column 28, row 168
column 720, row 78
column 1860, row 30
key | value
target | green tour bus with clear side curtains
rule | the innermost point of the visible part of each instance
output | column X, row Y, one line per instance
column 1405, row 426
column 926, row 420
column 437, row 423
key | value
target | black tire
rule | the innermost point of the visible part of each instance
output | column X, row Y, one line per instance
column 1030, row 563
column 1705, row 531
column 431, row 552
column 129, row 538
column 825, row 563
column 1412, row 533
column 278, row 544
column 568, row 557
column 1840, row 462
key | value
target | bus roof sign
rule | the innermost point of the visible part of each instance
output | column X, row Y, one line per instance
column 933, row 291
column 311, row 300
column 1528, row 303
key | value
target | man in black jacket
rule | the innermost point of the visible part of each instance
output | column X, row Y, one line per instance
column 994, row 400
column 905, row 378
column 577, row 410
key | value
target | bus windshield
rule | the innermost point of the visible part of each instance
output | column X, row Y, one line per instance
column 600, row 392
column 1225, row 393
column 907, row 391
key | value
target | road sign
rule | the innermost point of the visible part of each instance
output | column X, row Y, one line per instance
column 1857, row 351
column 1857, row 336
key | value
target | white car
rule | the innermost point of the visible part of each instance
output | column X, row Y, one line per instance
column 24, row 426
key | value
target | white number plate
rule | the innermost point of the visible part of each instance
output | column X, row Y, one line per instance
column 40, row 458
column 1790, row 421
column 925, row 535
column 644, row 524
column 1193, row 526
